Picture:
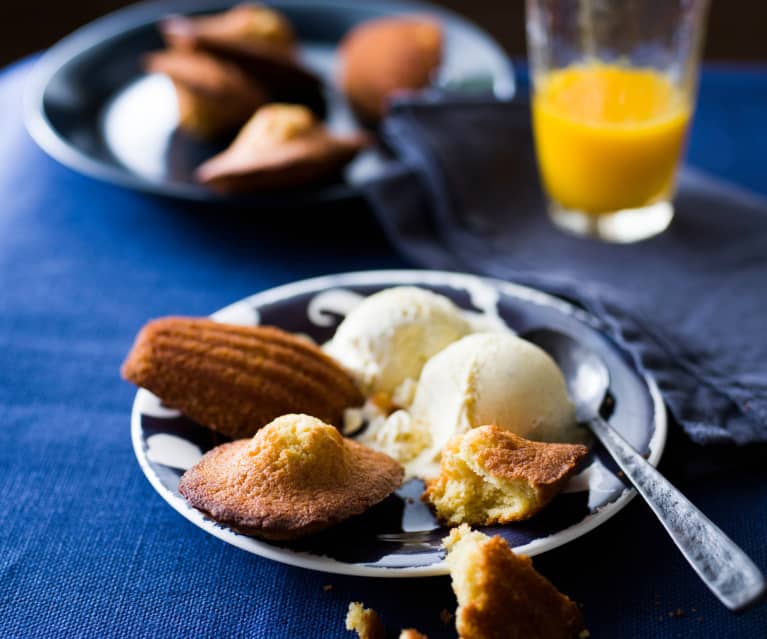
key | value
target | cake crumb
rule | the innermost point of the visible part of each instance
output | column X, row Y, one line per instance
column 365, row 622
column 327, row 587
column 446, row 616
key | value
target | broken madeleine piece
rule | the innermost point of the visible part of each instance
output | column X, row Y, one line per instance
column 282, row 145
column 492, row 476
column 244, row 25
column 295, row 477
column 235, row 379
column 386, row 55
column 501, row 595
column 214, row 97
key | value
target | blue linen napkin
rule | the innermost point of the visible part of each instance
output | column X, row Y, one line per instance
column 689, row 305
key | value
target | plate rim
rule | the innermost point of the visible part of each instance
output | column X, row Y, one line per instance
column 401, row 276
column 136, row 16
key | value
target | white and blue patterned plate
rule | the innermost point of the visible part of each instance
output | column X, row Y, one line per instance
column 399, row 537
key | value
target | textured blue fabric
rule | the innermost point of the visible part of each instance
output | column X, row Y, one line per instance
column 87, row 549
column 690, row 305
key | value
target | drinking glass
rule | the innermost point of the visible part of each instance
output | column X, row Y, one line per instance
column 614, row 85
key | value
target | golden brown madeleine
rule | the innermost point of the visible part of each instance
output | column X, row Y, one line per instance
column 259, row 41
column 501, row 595
column 294, row 477
column 387, row 55
column 245, row 25
column 235, row 379
column 214, row 96
column 281, row 146
column 492, row 476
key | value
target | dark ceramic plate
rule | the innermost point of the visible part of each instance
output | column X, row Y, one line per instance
column 90, row 106
column 400, row 537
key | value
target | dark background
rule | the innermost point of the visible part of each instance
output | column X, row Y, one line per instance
column 737, row 28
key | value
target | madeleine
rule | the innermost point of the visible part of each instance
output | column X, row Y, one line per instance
column 384, row 56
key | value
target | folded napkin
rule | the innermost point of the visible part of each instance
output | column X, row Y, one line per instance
column 690, row 305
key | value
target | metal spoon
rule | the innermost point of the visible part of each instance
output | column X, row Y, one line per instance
column 722, row 566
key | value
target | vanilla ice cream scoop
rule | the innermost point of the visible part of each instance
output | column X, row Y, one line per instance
column 388, row 338
column 490, row 378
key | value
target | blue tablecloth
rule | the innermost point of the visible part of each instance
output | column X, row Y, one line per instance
column 88, row 549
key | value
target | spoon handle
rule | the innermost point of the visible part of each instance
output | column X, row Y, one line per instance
column 723, row 567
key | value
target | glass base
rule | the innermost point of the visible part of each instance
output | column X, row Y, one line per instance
column 628, row 225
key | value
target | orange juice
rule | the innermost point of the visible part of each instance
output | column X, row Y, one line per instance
column 608, row 137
